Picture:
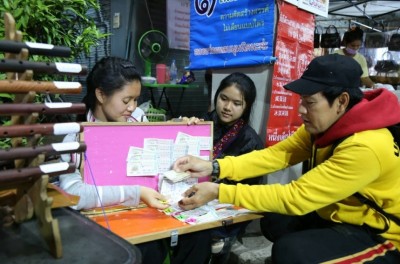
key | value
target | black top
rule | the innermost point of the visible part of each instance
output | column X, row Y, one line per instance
column 246, row 141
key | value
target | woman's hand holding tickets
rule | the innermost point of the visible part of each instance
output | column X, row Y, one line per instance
column 188, row 120
column 199, row 194
column 152, row 198
column 192, row 120
column 196, row 166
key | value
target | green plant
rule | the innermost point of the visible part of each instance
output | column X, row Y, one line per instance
column 58, row 22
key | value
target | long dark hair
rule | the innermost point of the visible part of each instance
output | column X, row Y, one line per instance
column 245, row 85
column 109, row 74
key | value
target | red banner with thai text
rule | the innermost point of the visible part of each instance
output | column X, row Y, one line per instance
column 294, row 50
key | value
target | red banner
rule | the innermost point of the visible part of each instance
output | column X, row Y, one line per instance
column 294, row 50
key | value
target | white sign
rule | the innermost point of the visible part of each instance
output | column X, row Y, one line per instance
column 318, row 7
column 178, row 24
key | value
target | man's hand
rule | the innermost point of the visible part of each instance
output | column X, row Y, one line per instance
column 199, row 194
column 196, row 166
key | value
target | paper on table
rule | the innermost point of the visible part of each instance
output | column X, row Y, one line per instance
column 173, row 191
column 210, row 212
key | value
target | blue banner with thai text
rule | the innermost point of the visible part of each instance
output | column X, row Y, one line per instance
column 231, row 33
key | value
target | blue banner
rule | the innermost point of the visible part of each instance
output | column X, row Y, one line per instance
column 231, row 33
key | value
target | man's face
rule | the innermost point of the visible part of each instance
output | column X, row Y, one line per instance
column 317, row 114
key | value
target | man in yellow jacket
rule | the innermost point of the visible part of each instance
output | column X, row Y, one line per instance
column 317, row 218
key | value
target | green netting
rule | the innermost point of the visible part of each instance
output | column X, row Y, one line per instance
column 156, row 114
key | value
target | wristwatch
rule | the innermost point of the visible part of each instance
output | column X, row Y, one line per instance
column 215, row 168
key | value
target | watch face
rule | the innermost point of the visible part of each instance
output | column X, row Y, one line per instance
column 215, row 171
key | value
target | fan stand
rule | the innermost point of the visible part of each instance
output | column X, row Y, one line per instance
column 147, row 68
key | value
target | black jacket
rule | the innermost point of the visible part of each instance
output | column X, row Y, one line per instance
column 246, row 141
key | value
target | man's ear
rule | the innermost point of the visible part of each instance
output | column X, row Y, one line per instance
column 99, row 95
column 343, row 101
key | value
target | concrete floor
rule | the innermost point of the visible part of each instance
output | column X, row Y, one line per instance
column 254, row 249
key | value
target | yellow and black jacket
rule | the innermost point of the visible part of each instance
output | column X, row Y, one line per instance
column 367, row 162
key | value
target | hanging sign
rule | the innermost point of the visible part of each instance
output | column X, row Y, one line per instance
column 294, row 50
column 231, row 33
column 178, row 24
column 318, row 7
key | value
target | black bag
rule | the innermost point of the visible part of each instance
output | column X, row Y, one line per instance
column 317, row 37
column 394, row 42
column 375, row 40
column 386, row 65
column 330, row 39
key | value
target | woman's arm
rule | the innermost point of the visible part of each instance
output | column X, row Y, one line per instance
column 91, row 195
column 367, row 82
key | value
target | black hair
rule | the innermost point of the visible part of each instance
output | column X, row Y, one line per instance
column 353, row 35
column 109, row 74
column 245, row 85
column 355, row 95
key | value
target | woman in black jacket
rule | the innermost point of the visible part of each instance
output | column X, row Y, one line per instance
column 233, row 136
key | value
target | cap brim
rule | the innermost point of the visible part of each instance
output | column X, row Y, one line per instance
column 305, row 87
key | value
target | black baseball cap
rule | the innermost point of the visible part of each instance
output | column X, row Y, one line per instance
column 326, row 71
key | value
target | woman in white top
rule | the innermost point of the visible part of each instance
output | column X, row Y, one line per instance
column 113, row 88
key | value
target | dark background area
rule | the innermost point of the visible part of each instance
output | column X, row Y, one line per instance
column 136, row 18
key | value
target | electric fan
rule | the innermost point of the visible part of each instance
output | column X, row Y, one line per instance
column 153, row 47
